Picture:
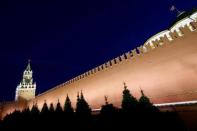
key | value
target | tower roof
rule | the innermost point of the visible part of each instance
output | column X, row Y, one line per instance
column 28, row 68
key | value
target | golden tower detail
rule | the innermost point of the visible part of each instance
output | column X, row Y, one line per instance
column 26, row 89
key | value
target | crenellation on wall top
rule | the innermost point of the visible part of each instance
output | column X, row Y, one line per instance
column 186, row 30
column 194, row 25
column 166, row 37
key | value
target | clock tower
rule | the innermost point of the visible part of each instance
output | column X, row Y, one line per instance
column 27, row 88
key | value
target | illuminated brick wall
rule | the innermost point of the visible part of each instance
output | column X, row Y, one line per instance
column 166, row 72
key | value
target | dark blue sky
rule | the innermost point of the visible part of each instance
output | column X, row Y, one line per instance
column 64, row 38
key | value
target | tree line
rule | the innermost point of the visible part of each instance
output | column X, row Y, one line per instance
column 134, row 114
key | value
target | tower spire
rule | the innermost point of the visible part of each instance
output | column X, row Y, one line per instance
column 29, row 65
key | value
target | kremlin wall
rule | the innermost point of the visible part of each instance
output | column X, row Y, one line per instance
column 164, row 67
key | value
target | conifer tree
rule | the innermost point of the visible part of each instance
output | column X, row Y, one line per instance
column 26, row 111
column 35, row 111
column 51, row 108
column 25, row 114
column 82, row 107
column 68, row 109
column 78, row 104
column 58, row 108
column 35, row 114
column 129, row 102
column 45, row 108
column 51, row 113
column 145, row 101
column 84, row 104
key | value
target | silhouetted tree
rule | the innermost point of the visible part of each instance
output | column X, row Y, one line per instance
column 51, row 108
column 68, row 109
column 129, row 102
column 12, row 120
column 35, row 115
column 59, row 116
column 25, row 117
column 26, row 111
column 45, row 109
column 34, row 110
column 82, row 108
column 58, row 108
column 110, row 117
column 145, row 102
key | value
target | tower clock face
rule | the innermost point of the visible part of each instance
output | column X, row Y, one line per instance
column 27, row 80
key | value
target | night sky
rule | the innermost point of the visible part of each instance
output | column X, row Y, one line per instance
column 64, row 38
